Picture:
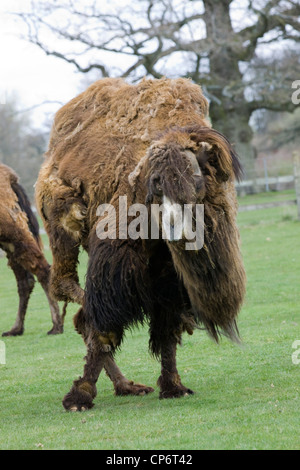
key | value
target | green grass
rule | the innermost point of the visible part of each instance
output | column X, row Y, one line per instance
column 246, row 397
column 268, row 196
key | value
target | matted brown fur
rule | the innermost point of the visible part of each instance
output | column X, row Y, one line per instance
column 98, row 138
column 117, row 139
column 19, row 238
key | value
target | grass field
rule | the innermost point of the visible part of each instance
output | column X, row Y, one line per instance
column 246, row 397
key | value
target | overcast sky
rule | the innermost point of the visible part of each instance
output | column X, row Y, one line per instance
column 27, row 71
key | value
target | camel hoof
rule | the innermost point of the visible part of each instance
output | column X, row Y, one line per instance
column 80, row 397
column 75, row 409
column 176, row 392
column 56, row 330
column 131, row 388
column 13, row 332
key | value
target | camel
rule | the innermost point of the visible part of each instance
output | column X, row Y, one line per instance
column 20, row 240
column 151, row 143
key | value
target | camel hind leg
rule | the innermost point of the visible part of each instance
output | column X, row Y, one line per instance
column 121, row 384
column 57, row 320
column 25, row 283
column 26, row 262
column 38, row 265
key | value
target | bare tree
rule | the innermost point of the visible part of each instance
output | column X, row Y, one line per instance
column 229, row 47
column 21, row 145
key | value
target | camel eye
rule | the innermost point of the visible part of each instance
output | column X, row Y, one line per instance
column 157, row 187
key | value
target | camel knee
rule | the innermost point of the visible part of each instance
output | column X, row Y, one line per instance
column 26, row 285
column 65, row 287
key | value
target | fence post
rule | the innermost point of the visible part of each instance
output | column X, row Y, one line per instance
column 266, row 175
column 296, row 158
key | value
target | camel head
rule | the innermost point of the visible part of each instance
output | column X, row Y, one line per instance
column 184, row 168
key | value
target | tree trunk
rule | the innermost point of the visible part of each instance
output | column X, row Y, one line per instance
column 234, row 124
column 228, row 110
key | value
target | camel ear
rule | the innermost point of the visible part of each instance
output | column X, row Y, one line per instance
column 219, row 159
column 217, row 152
column 224, row 159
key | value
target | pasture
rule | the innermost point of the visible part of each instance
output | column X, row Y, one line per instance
column 246, row 397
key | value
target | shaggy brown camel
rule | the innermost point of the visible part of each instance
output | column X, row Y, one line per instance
column 151, row 143
column 19, row 238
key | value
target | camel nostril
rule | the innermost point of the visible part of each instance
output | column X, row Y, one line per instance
column 172, row 232
column 172, row 220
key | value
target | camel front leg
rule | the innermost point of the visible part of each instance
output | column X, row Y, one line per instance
column 164, row 337
column 99, row 356
column 169, row 380
column 64, row 281
column 83, row 391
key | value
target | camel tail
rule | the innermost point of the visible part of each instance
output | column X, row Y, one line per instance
column 25, row 206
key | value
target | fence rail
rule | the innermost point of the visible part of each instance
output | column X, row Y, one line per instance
column 269, row 183
column 272, row 183
column 266, row 205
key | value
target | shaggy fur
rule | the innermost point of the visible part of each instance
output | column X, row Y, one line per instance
column 19, row 238
column 145, row 141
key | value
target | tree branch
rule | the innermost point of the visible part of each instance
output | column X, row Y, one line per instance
column 267, row 22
